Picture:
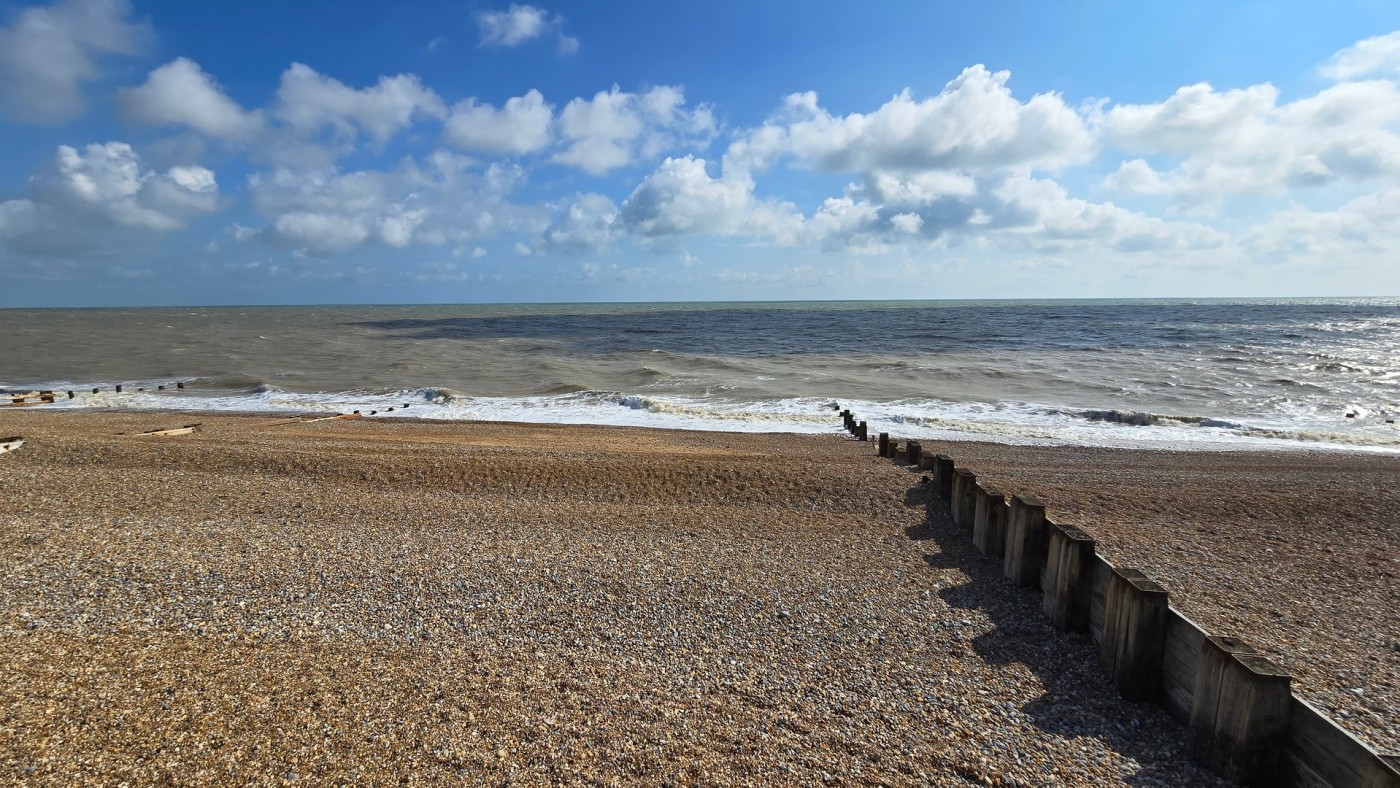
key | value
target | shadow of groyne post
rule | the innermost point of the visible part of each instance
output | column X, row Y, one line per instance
column 1078, row 701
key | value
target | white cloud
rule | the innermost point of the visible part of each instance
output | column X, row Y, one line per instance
column 681, row 198
column 521, row 126
column 907, row 222
column 181, row 93
column 1366, row 225
column 588, row 222
column 975, row 124
column 521, row 23
column 614, row 127
column 511, row 27
column 1376, row 55
column 103, row 188
column 1136, row 177
column 1245, row 142
column 49, row 52
column 437, row 202
column 1040, row 214
column 310, row 102
column 107, row 181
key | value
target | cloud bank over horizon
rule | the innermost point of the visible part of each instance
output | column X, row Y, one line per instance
column 399, row 184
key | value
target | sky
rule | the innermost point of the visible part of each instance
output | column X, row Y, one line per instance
column 166, row 153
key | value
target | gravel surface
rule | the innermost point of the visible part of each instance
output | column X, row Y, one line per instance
column 1298, row 553
column 373, row 601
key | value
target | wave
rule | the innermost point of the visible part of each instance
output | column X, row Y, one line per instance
column 1136, row 418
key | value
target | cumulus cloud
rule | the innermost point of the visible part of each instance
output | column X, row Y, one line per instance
column 49, row 52
column 680, row 197
column 1043, row 216
column 611, row 129
column 311, row 102
column 520, row 24
column 1366, row 225
column 181, row 93
column 435, row 202
column 1376, row 55
column 587, row 222
column 103, row 186
column 974, row 124
column 107, row 180
column 1244, row 142
column 522, row 125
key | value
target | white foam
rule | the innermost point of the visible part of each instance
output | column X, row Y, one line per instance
column 1007, row 422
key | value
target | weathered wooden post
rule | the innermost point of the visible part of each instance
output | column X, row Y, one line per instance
column 1024, row 556
column 71, row 395
column 943, row 476
column 1069, row 579
column 160, row 387
column 989, row 523
column 94, row 391
column 1134, row 634
column 914, row 452
column 964, row 497
column 1240, row 712
column 180, row 385
column 884, row 447
column 927, row 460
column 119, row 388
column 955, row 494
column 862, row 430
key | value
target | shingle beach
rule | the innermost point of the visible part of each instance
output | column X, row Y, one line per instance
column 373, row 601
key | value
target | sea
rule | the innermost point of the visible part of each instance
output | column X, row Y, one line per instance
column 1281, row 374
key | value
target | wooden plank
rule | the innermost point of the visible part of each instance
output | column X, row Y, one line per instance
column 1135, row 622
column 1100, row 569
column 1179, row 663
column 1068, row 579
column 1023, row 559
column 943, row 468
column 989, row 523
column 332, row 418
column 185, row 430
column 1240, row 720
column 1320, row 751
column 10, row 444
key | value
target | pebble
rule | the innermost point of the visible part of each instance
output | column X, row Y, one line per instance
column 379, row 601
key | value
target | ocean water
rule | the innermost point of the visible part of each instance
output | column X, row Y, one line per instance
column 1282, row 374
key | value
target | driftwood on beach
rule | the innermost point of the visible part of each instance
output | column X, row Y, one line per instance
column 185, row 430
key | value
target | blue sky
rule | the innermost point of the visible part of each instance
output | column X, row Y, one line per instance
column 206, row 153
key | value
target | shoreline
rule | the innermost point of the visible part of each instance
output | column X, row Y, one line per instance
column 1245, row 444
column 785, row 520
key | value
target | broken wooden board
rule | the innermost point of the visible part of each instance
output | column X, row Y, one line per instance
column 331, row 418
column 185, row 430
column 300, row 420
column 11, row 443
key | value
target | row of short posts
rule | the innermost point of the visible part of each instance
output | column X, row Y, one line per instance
column 1240, row 712
column 47, row 396
column 856, row 428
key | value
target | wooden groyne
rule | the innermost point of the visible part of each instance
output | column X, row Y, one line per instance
column 1242, row 719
